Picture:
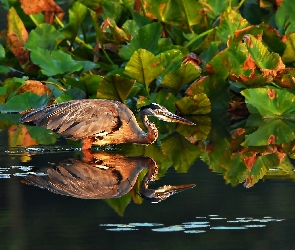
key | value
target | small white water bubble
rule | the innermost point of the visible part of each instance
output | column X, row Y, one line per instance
column 194, row 231
column 120, row 229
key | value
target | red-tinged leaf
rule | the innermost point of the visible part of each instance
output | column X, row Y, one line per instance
column 17, row 36
column 268, row 62
column 286, row 78
column 272, row 39
column 252, row 29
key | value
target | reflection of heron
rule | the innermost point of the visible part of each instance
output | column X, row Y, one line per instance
column 100, row 122
column 106, row 176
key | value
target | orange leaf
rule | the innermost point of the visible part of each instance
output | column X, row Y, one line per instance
column 18, row 135
column 17, row 36
column 36, row 87
column 48, row 7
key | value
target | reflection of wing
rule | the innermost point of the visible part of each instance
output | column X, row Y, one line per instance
column 103, row 176
column 84, row 181
column 78, row 118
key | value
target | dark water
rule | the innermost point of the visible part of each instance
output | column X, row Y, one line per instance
column 212, row 215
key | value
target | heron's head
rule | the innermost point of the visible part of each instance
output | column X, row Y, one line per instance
column 162, row 113
column 162, row 193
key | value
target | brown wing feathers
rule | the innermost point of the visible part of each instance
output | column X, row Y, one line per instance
column 76, row 119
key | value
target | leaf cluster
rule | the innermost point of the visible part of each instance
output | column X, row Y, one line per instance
column 193, row 56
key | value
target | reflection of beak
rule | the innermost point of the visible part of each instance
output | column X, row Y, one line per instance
column 164, row 192
column 170, row 117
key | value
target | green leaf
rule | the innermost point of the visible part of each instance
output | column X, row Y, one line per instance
column 209, row 53
column 3, row 91
column 58, row 62
column 170, row 59
column 200, row 131
column 4, row 69
column 289, row 53
column 2, row 52
column 130, row 28
column 92, row 83
column 42, row 135
column 215, row 87
column 87, row 65
column 178, row 78
column 45, row 36
column 215, row 7
column 143, row 40
column 112, row 9
column 115, row 87
column 175, row 12
column 119, row 204
column 271, row 132
column 262, row 165
column 55, row 62
column 24, row 102
column 6, row 120
column 285, row 15
column 77, row 14
column 180, row 151
column 230, row 21
column 271, row 103
column 195, row 105
column 144, row 67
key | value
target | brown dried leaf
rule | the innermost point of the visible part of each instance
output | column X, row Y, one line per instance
column 237, row 110
column 35, row 87
column 193, row 59
column 17, row 36
column 48, row 7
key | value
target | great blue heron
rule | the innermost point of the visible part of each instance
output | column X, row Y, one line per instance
column 103, row 176
column 100, row 122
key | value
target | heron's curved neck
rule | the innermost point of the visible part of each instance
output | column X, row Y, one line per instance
column 152, row 131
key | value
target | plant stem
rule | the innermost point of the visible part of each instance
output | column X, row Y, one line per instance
column 142, row 7
column 240, row 4
column 77, row 39
column 198, row 37
column 107, row 56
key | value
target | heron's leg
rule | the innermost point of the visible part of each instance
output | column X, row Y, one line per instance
column 87, row 156
column 86, row 143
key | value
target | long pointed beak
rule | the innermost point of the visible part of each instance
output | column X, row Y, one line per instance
column 164, row 192
column 170, row 117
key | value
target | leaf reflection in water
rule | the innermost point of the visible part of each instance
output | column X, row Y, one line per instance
column 102, row 176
